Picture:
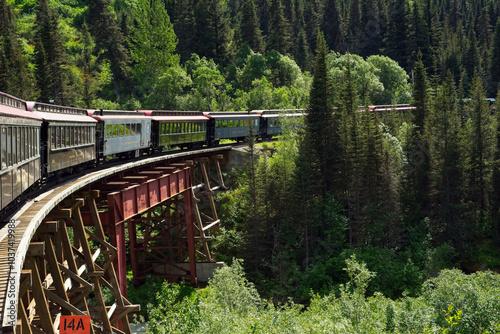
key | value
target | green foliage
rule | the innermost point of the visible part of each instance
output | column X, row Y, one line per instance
column 450, row 303
column 475, row 296
column 152, row 46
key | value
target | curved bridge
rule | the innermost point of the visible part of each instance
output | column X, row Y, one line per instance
column 65, row 253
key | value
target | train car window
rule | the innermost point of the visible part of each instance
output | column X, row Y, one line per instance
column 256, row 122
column 147, row 128
column 68, row 136
column 72, row 136
column 218, row 124
column 109, row 130
column 19, row 148
column 25, row 143
column 3, row 153
column 52, row 137
column 115, row 130
column 224, row 124
column 63, row 137
column 57, row 136
column 127, row 129
column 122, row 130
column 139, row 128
column 163, row 129
column 14, row 148
column 9, row 146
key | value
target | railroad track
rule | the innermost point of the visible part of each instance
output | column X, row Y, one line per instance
column 19, row 228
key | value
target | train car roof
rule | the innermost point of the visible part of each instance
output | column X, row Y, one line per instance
column 12, row 106
column 57, row 113
column 102, row 115
column 231, row 114
column 279, row 111
column 174, row 115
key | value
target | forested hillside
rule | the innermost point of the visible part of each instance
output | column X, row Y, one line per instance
column 228, row 54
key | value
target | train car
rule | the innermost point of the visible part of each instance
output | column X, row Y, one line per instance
column 67, row 136
column 271, row 122
column 121, row 133
column 234, row 125
column 403, row 108
column 19, row 154
column 177, row 128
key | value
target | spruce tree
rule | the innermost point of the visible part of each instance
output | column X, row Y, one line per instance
column 302, row 52
column 419, row 37
column 495, row 60
column 443, row 131
column 50, row 55
column 279, row 38
column 495, row 198
column 354, row 27
column 416, row 188
column 396, row 38
column 109, row 39
column 480, row 143
column 183, row 27
column 249, row 26
column 471, row 61
column 332, row 26
column 211, row 31
column 15, row 75
column 371, row 32
column 315, row 171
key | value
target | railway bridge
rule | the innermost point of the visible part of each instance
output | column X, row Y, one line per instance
column 65, row 252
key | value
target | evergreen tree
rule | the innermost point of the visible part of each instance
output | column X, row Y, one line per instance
column 332, row 26
column 312, row 15
column 279, row 38
column 264, row 16
column 50, row 55
column 484, row 38
column 183, row 27
column 211, row 30
column 495, row 60
column 443, row 131
column 371, row 33
column 471, row 61
column 15, row 76
column 302, row 52
column 354, row 27
column 480, row 143
column 416, row 188
column 396, row 38
column 419, row 37
column 249, row 26
column 152, row 48
column 316, row 168
column 495, row 198
column 110, row 40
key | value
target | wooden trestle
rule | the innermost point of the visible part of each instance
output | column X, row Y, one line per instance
column 76, row 261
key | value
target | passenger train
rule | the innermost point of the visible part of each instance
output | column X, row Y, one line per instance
column 40, row 140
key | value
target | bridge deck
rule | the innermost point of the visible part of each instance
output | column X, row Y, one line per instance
column 25, row 222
